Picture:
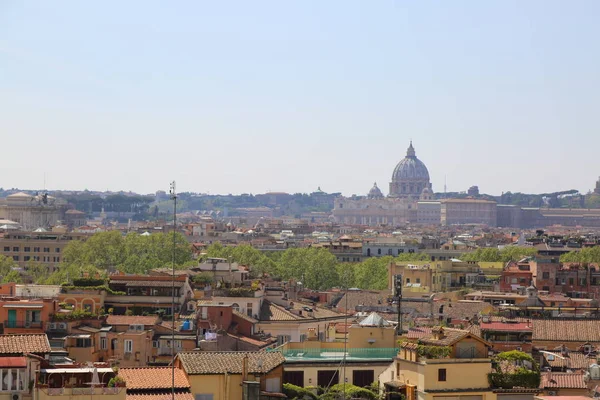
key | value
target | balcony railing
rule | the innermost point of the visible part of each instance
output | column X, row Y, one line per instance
column 24, row 324
column 339, row 353
column 82, row 391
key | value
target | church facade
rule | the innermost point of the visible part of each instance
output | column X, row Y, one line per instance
column 410, row 184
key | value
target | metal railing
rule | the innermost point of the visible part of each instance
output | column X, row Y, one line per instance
column 338, row 353
column 23, row 324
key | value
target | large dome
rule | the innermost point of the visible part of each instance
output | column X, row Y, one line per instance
column 410, row 176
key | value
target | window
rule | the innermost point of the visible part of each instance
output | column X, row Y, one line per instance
column 418, row 280
column 27, row 249
column 36, row 249
column 128, row 344
column 363, row 378
column 294, row 377
column 104, row 343
column 15, row 249
column 249, row 309
column 6, row 248
column 57, row 250
column 379, row 251
column 546, row 275
column 407, row 280
column 571, row 281
column 155, row 344
column 83, row 342
column 46, row 249
column 442, row 375
column 26, row 258
column 16, row 258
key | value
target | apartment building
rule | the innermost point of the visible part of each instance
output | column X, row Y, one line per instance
column 145, row 293
column 369, row 350
column 228, row 375
column 418, row 372
column 42, row 247
column 468, row 212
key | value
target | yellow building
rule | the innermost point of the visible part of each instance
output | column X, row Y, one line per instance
column 224, row 375
column 449, row 364
column 369, row 350
column 425, row 277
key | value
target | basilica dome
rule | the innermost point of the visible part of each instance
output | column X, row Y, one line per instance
column 375, row 192
column 410, row 176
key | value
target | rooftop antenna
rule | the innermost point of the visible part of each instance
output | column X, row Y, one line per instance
column 445, row 188
column 173, row 193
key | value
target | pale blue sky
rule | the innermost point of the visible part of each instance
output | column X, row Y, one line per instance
column 251, row 96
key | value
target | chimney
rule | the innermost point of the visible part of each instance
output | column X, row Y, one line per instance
column 245, row 368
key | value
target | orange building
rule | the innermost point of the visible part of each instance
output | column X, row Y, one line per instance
column 81, row 298
column 25, row 316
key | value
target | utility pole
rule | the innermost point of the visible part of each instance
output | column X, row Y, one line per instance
column 398, row 296
column 173, row 193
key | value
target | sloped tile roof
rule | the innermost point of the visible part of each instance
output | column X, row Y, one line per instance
column 244, row 316
column 506, row 327
column 220, row 362
column 153, row 378
column 159, row 396
column 21, row 344
column 272, row 312
column 566, row 330
column 562, row 381
column 132, row 320
column 572, row 360
column 450, row 336
column 418, row 332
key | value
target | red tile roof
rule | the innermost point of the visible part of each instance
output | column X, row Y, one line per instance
column 566, row 330
column 506, row 327
column 562, row 381
column 159, row 396
column 153, row 378
column 21, row 344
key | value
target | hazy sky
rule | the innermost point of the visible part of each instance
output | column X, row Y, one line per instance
column 252, row 96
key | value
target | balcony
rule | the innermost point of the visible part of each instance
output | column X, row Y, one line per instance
column 24, row 324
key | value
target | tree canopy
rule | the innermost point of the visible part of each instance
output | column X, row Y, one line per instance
column 492, row 254
column 584, row 256
column 316, row 268
column 132, row 253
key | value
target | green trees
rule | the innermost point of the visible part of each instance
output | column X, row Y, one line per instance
column 12, row 276
column 132, row 253
column 514, row 369
column 316, row 268
column 492, row 254
column 6, row 265
column 586, row 255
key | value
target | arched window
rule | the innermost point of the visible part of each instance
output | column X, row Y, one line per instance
column 235, row 307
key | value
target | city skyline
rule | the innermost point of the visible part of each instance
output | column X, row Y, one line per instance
column 291, row 97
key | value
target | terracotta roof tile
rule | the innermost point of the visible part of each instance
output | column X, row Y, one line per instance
column 272, row 312
column 562, row 381
column 21, row 344
column 566, row 330
column 132, row 319
column 153, row 378
column 418, row 332
column 220, row 362
column 506, row 327
column 573, row 360
column 450, row 336
column 159, row 396
column 244, row 316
